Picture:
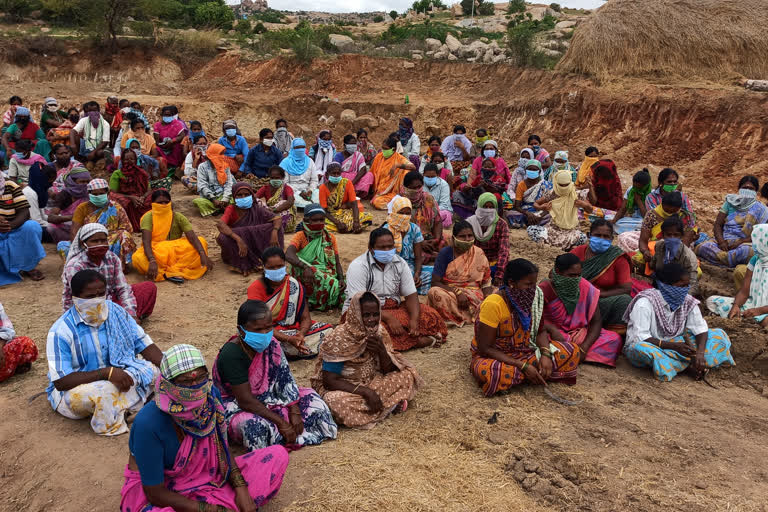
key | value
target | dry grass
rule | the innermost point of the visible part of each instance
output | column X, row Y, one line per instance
column 707, row 39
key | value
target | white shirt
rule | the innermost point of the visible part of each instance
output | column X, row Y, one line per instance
column 643, row 323
column 442, row 194
column 413, row 147
column 91, row 143
column 35, row 213
column 303, row 182
column 394, row 282
column 189, row 169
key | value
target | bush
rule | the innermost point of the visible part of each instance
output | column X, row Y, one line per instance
column 486, row 9
column 142, row 28
column 16, row 10
column 423, row 5
column 201, row 44
column 419, row 31
column 243, row 27
column 393, row 14
column 520, row 40
column 556, row 7
column 483, row 8
column 269, row 16
column 378, row 18
column 515, row 6
column 214, row 15
column 62, row 12
column 259, row 28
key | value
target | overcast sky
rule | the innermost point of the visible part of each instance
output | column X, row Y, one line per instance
column 382, row 5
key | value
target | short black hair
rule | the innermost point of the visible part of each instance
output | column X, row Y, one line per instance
column 159, row 193
column 59, row 146
column 24, row 145
column 136, row 121
column 376, row 234
column 534, row 137
column 348, row 138
column 459, row 128
column 278, row 121
column 518, row 269
column 750, row 179
column 70, row 109
column 251, row 310
column 194, row 121
column 170, row 108
column 460, row 226
column 642, row 177
column 598, row 223
column 276, row 168
column 271, row 252
column 670, row 273
column 440, row 154
column 411, row 177
column 196, row 138
column 15, row 99
column 84, row 278
column 672, row 222
column 434, row 138
column 666, row 173
column 123, row 102
column 673, row 199
column 362, row 131
column 431, row 167
column 135, row 104
column 590, row 150
column 264, row 131
column 566, row 261
column 90, row 104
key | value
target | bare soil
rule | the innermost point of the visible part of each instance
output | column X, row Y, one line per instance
column 633, row 443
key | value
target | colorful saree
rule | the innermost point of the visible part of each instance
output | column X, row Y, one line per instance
column 430, row 324
column 336, row 200
column 425, row 215
column 738, row 225
column 319, row 252
column 133, row 181
column 277, row 197
column 530, row 196
column 574, row 326
column 612, row 308
column 469, row 272
column 287, row 303
column 388, row 178
column 350, row 166
column 271, row 383
column 115, row 219
column 255, row 228
column 174, row 156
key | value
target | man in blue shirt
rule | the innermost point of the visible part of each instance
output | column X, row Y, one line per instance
column 92, row 349
column 235, row 145
column 262, row 156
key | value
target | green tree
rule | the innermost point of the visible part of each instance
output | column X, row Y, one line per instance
column 16, row 10
column 486, row 8
column 378, row 18
column 555, row 7
column 483, row 8
column 515, row 6
column 423, row 5
column 63, row 12
column 393, row 14
column 214, row 15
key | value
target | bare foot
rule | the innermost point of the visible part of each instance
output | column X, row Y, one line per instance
column 23, row 368
column 425, row 341
column 33, row 274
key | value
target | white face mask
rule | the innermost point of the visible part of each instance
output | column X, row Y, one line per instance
column 268, row 142
column 93, row 311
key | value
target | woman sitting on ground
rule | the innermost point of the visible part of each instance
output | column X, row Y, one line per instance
column 359, row 375
column 179, row 452
column 60, row 134
column 425, row 214
column 409, row 140
column 301, row 174
column 169, row 134
column 388, row 168
column 62, row 164
column 90, row 251
column 261, row 158
column 365, row 146
column 752, row 299
column 609, row 269
column 287, row 299
column 23, row 128
column 354, row 167
column 100, row 209
column 16, row 353
column 738, row 216
column 562, row 204
column 650, row 232
column 491, row 235
column 487, row 180
column 512, row 345
column 323, row 152
column 630, row 215
column 263, row 404
column 501, row 176
column 22, row 160
column 530, row 190
column 245, row 230
column 444, row 167
column 170, row 248
column 278, row 197
column 659, row 321
column 314, row 258
column 461, row 278
column 668, row 182
column 539, row 153
column 155, row 167
column 409, row 243
column 671, row 249
column 440, row 191
column 235, row 146
column 64, row 204
column 139, row 133
column 584, row 174
column 519, row 174
column 560, row 163
column 214, row 182
column 129, row 186
column 194, row 158
column 571, row 304
column 381, row 271
column 604, row 189
column 344, row 213
column 458, row 150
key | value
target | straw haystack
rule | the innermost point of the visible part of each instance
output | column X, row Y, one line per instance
column 707, row 39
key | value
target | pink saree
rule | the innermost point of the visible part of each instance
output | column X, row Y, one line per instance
column 349, row 169
column 174, row 157
column 574, row 327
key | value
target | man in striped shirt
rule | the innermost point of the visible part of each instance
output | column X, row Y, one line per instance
column 20, row 247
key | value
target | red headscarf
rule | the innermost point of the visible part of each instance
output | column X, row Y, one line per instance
column 135, row 180
column 607, row 185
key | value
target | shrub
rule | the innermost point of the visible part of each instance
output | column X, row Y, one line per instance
column 269, row 16
column 378, row 18
column 16, row 10
column 259, row 28
column 419, row 31
column 393, row 14
column 515, row 6
column 142, row 28
column 214, row 15
column 486, row 9
column 556, row 7
column 483, row 8
column 423, row 5
column 201, row 44
column 243, row 27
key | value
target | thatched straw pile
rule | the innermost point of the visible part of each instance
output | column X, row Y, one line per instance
column 708, row 39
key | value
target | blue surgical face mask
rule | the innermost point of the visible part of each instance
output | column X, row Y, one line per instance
column 20, row 154
column 430, row 181
column 244, row 202
column 384, row 256
column 258, row 341
column 334, row 179
column 230, row 132
column 536, row 149
column 599, row 245
column 193, row 135
column 489, row 153
column 275, row 275
column 98, row 200
column 167, row 119
column 351, row 148
column 531, row 175
column 297, row 153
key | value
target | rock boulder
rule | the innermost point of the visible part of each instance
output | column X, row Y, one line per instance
column 342, row 42
column 433, row 44
column 347, row 115
column 452, row 43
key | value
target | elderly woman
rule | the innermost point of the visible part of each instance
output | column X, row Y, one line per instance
column 263, row 404
column 314, row 258
column 323, row 152
column 16, row 353
column 609, row 269
column 100, row 209
column 179, row 452
column 235, row 145
column 512, row 345
column 751, row 301
column 261, row 158
column 629, row 216
column 169, row 134
column 359, row 375
column 354, row 167
column 425, row 214
column 129, row 186
column 301, row 174
column 214, row 182
column 288, row 301
column 278, row 197
column 171, row 249
column 738, row 216
column 64, row 204
column 530, row 190
column 562, row 205
column 491, row 235
column 245, row 230
column 344, row 213
column 365, row 146
column 571, row 304
column 387, row 275
column 90, row 250
column 388, row 168
column 461, row 278
column 409, row 242
column 660, row 322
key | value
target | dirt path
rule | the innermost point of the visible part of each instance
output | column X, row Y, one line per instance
column 632, row 444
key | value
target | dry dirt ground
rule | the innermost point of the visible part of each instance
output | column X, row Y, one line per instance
column 632, row 444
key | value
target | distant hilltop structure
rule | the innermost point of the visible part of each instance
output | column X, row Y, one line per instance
column 247, row 7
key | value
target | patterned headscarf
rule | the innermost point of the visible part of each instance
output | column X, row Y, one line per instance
column 77, row 190
column 567, row 289
column 97, row 184
column 406, row 132
column 349, row 340
column 398, row 223
column 241, row 185
column 84, row 233
column 180, row 359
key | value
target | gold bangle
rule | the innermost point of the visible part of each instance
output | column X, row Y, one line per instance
column 355, row 390
column 525, row 365
column 109, row 376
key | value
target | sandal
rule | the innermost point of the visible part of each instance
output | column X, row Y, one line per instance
column 33, row 274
